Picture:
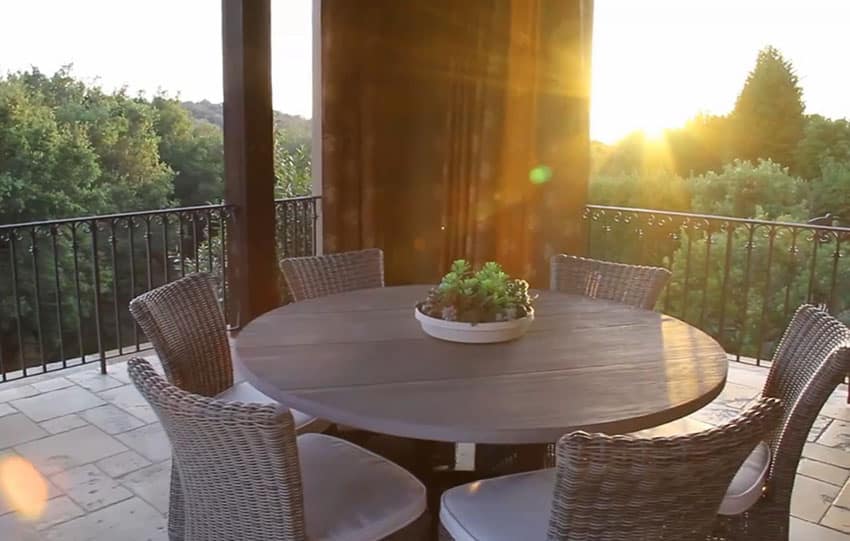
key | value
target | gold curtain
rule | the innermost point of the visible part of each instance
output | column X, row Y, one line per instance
column 435, row 114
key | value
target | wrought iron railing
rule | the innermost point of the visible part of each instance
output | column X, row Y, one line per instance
column 738, row 279
column 297, row 218
column 65, row 284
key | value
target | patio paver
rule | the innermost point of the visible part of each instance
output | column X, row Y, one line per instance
column 17, row 428
column 56, row 403
column 131, row 519
column 149, row 441
column 13, row 393
column 111, row 419
column 123, row 463
column 151, row 484
column 83, row 445
column 107, row 460
column 63, row 424
column 128, row 399
column 90, row 488
column 823, row 471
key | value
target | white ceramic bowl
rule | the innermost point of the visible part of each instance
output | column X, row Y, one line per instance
column 474, row 333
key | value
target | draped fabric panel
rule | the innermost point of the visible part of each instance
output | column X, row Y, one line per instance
column 434, row 114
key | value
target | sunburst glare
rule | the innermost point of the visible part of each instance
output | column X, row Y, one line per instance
column 23, row 487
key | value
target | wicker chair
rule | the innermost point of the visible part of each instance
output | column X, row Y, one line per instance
column 810, row 361
column 317, row 276
column 184, row 323
column 613, row 487
column 634, row 285
column 245, row 475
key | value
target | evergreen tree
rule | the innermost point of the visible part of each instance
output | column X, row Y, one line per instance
column 768, row 121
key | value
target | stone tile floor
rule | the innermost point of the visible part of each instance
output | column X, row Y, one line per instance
column 106, row 461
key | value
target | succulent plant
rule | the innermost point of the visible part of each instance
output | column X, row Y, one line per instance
column 477, row 297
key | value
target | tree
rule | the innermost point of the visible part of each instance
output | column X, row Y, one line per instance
column 659, row 190
column 823, row 140
column 744, row 190
column 831, row 192
column 118, row 129
column 68, row 149
column 767, row 121
column 193, row 150
column 292, row 167
column 701, row 145
column 47, row 168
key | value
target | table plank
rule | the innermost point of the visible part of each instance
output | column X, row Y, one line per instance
column 361, row 359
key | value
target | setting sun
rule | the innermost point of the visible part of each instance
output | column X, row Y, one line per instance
column 657, row 63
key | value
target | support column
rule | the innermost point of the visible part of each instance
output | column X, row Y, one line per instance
column 249, row 157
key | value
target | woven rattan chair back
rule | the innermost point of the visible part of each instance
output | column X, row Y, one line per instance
column 811, row 360
column 318, row 276
column 238, row 463
column 634, row 285
column 186, row 327
column 622, row 487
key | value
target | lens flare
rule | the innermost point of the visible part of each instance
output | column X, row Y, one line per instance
column 540, row 174
column 23, row 487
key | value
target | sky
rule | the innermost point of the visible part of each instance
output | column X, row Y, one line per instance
column 656, row 63
column 173, row 45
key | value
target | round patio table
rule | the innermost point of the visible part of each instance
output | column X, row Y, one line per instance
column 360, row 359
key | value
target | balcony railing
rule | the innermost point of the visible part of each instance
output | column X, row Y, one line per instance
column 738, row 279
column 65, row 284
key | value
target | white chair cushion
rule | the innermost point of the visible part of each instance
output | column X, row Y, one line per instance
column 748, row 484
column 504, row 508
column 247, row 393
column 353, row 494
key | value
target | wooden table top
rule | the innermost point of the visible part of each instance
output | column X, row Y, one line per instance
column 361, row 359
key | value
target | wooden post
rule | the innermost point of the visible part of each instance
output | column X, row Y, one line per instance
column 249, row 156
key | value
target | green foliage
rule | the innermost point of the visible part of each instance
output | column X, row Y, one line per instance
column 771, row 272
column 298, row 127
column 47, row 168
column 206, row 111
column 741, row 188
column 831, row 192
column 292, row 166
column 476, row 297
column 701, row 145
column 70, row 149
column 824, row 140
column 767, row 121
column 626, row 156
column 193, row 150
column 662, row 190
column 292, row 154
column 744, row 296
column 66, row 149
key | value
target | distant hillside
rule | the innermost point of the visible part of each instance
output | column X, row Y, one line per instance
column 298, row 127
